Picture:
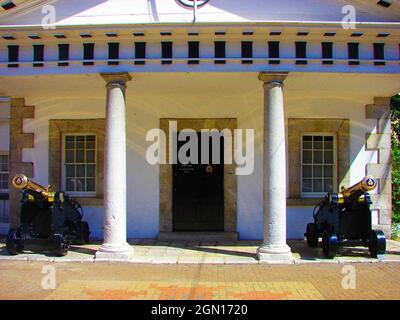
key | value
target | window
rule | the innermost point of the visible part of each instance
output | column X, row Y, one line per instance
column 63, row 54
column 88, row 53
column 13, row 56
column 79, row 160
column 4, row 172
column 353, row 52
column 327, row 52
column 318, row 164
column 38, row 55
column 301, row 52
column 166, row 52
column 193, row 52
column 113, row 53
column 140, row 52
column 247, row 51
column 379, row 54
column 219, row 52
column 273, row 51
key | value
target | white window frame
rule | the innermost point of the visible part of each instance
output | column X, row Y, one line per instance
column 335, row 161
column 81, row 194
column 6, row 153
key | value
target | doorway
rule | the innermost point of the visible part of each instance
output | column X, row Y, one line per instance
column 198, row 191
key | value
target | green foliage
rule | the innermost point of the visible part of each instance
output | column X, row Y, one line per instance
column 395, row 114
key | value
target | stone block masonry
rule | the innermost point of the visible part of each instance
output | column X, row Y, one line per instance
column 19, row 140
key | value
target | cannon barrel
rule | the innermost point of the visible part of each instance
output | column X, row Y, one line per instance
column 21, row 182
column 367, row 184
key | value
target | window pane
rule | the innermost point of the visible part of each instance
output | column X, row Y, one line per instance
column 328, row 171
column 307, row 171
column 328, row 157
column 4, row 163
column 328, row 185
column 90, row 156
column 307, row 185
column 69, row 156
column 80, row 184
column 69, row 143
column 317, row 185
column 307, row 156
column 4, row 167
column 317, row 156
column 317, row 171
column 80, row 142
column 90, row 142
column 328, row 144
column 90, row 170
column 80, row 156
column 318, row 142
column 70, row 185
column 70, row 171
column 90, row 185
column 4, row 185
column 307, row 142
column 80, row 171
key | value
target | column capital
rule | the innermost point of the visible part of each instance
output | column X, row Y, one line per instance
column 116, row 77
column 268, row 77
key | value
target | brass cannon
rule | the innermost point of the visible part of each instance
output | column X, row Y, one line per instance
column 345, row 218
column 49, row 215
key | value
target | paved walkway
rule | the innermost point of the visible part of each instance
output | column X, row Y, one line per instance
column 25, row 280
column 240, row 252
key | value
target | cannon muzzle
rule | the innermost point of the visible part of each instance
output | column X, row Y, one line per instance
column 21, row 182
column 367, row 184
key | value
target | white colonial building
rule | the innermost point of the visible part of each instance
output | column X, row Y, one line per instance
column 83, row 82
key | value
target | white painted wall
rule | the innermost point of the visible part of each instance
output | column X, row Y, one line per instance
column 152, row 96
column 70, row 12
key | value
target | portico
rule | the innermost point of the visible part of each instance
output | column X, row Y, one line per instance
column 274, row 247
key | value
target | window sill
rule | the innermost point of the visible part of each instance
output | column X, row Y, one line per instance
column 303, row 202
column 89, row 202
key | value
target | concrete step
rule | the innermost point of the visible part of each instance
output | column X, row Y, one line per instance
column 198, row 236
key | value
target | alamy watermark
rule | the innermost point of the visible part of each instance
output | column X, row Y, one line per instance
column 349, row 279
column 49, row 280
column 350, row 17
column 50, row 17
column 235, row 149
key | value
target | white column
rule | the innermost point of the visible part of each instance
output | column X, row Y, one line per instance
column 274, row 247
column 115, row 246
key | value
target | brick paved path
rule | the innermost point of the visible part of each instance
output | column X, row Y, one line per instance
column 22, row 280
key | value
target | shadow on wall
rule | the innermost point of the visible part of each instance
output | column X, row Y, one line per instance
column 311, row 10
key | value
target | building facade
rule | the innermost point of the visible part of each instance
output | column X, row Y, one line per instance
column 82, row 84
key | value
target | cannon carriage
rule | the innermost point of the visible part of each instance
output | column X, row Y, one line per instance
column 345, row 219
column 48, row 215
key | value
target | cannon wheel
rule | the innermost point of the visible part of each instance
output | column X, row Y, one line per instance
column 61, row 245
column 85, row 231
column 329, row 244
column 14, row 242
column 82, row 233
column 377, row 243
column 311, row 235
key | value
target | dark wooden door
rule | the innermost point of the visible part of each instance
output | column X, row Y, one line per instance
column 198, row 194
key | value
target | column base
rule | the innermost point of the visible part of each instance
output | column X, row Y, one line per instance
column 275, row 255
column 112, row 252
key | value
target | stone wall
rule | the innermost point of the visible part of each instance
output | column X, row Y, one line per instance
column 382, row 170
column 18, row 141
